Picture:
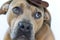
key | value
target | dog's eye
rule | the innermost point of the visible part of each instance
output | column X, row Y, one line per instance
column 37, row 15
column 17, row 10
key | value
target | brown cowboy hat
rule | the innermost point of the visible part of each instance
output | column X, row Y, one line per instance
column 39, row 3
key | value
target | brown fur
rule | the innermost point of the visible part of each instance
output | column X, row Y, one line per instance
column 43, row 32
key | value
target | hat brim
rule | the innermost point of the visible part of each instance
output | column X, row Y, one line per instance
column 39, row 3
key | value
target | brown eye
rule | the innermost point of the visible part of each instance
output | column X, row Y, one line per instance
column 17, row 10
column 37, row 15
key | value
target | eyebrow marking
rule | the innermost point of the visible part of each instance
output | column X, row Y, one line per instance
column 28, row 5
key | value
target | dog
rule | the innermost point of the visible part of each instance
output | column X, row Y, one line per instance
column 27, row 20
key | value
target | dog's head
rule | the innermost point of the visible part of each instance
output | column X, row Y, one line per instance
column 25, row 19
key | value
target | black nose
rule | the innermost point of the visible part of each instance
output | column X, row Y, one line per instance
column 25, row 26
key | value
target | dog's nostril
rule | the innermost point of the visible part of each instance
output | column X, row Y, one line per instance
column 21, row 25
column 27, row 28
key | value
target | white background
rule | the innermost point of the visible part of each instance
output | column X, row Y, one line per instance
column 54, row 8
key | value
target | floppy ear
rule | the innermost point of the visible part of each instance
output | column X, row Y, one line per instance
column 47, row 17
column 5, row 7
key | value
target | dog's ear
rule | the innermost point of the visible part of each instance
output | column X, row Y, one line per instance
column 47, row 17
column 5, row 7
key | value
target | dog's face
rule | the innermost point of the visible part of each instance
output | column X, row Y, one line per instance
column 24, row 20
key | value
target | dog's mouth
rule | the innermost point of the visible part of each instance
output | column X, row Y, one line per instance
column 22, row 37
column 19, row 35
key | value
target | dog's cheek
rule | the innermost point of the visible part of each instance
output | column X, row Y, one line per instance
column 13, row 28
column 37, row 24
column 10, row 17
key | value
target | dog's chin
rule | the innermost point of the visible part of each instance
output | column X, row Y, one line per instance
column 22, row 38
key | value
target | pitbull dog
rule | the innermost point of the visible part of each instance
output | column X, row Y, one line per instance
column 27, row 20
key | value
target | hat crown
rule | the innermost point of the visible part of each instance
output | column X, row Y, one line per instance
column 39, row 3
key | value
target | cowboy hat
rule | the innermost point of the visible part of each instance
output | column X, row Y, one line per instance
column 38, row 3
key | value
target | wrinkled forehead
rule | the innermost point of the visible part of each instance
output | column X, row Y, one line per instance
column 24, row 4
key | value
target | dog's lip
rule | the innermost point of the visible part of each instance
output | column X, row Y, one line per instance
column 22, row 37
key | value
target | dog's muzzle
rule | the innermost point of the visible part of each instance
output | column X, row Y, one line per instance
column 23, row 31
